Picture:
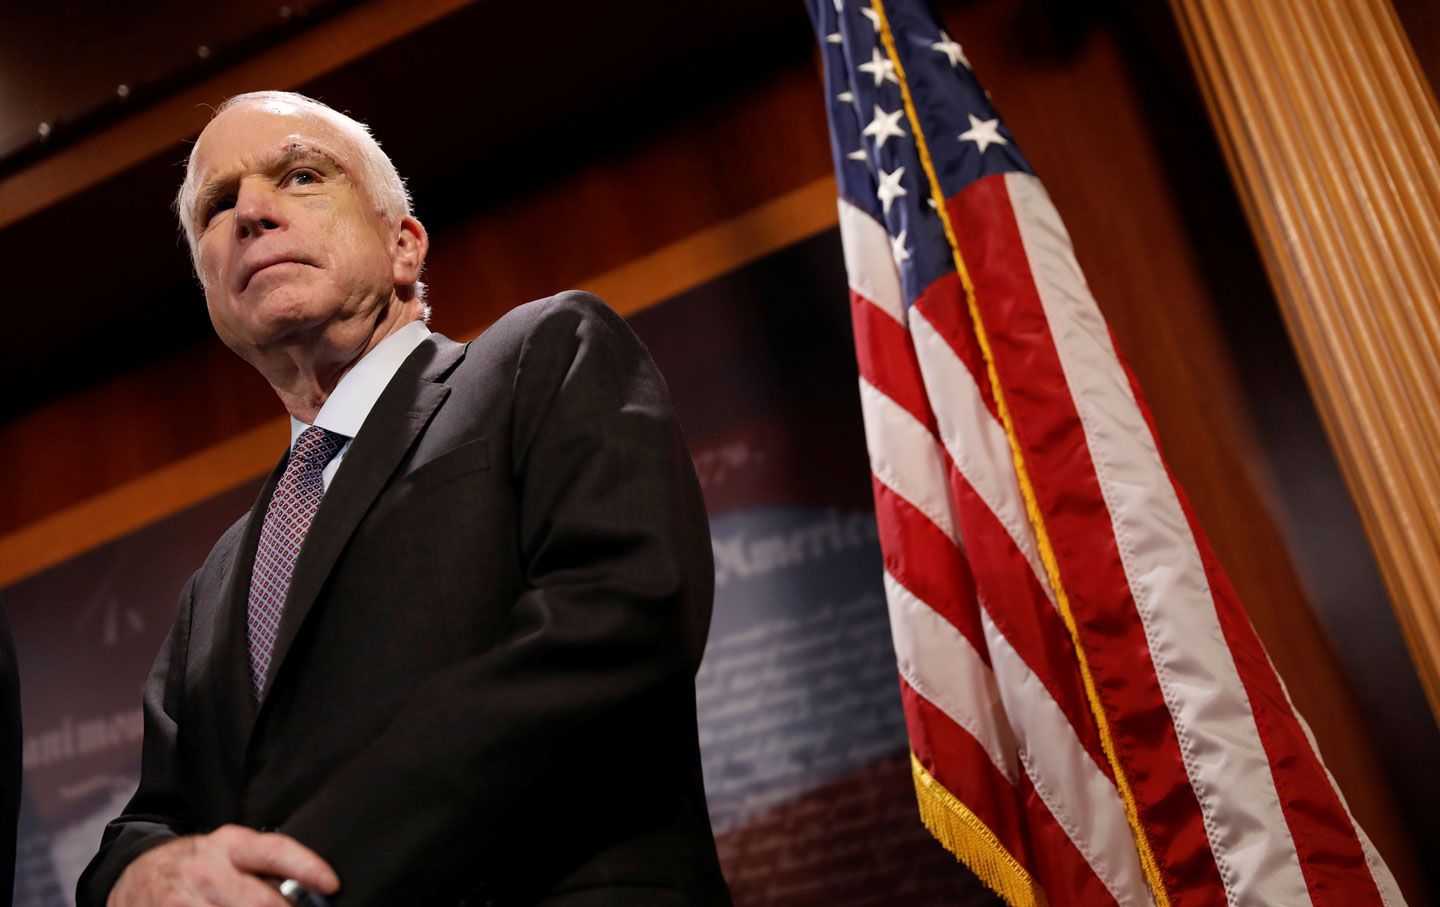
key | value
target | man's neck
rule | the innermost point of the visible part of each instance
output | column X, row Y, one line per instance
column 310, row 369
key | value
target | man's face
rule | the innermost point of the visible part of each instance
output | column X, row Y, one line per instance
column 287, row 242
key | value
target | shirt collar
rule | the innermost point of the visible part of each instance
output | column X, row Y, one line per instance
column 347, row 406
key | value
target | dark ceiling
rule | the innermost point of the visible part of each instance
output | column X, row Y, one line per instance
column 484, row 104
column 68, row 67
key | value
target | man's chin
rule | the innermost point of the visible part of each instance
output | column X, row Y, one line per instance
column 270, row 328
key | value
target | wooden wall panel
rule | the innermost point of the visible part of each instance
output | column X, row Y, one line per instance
column 574, row 227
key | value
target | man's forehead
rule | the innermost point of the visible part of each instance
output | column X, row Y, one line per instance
column 261, row 131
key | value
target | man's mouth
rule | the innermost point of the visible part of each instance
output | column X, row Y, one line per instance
column 267, row 264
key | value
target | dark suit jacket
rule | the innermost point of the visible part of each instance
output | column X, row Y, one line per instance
column 10, row 755
column 483, row 681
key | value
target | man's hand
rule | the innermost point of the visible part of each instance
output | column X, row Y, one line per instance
column 221, row 869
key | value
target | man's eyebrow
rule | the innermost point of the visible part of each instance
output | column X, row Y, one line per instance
column 299, row 152
column 294, row 153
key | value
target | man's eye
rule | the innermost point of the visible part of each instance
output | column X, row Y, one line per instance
column 224, row 204
column 303, row 177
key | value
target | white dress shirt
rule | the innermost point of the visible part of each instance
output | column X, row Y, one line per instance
column 347, row 406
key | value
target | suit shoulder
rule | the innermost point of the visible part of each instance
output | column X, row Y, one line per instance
column 567, row 308
column 557, row 325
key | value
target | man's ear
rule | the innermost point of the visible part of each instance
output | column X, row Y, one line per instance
column 411, row 245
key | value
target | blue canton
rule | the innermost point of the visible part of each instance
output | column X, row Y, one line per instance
column 877, row 164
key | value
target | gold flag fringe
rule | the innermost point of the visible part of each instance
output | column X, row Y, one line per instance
column 972, row 842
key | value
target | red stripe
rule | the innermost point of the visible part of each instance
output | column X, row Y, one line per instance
column 887, row 359
column 960, row 335
column 1012, row 596
column 925, row 561
column 961, row 765
column 1019, row 608
column 902, row 528
column 1053, row 443
column 1009, row 590
column 1060, row 866
column 1331, row 858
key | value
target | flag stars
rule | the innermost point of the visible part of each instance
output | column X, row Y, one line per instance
column 834, row 38
column 890, row 188
column 880, row 67
column 898, row 250
column 983, row 133
column 873, row 16
column 947, row 46
column 859, row 155
column 846, row 97
column 885, row 125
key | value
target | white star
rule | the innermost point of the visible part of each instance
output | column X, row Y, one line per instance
column 890, row 188
column 947, row 46
column 880, row 67
column 847, row 96
column 859, row 155
column 897, row 249
column 884, row 126
column 837, row 6
column 931, row 202
column 983, row 133
column 873, row 16
column 833, row 38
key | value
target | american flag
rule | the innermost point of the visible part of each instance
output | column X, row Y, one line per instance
column 1092, row 718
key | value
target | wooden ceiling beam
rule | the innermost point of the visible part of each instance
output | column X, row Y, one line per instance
column 329, row 45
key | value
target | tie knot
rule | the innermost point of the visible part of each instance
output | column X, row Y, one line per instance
column 317, row 445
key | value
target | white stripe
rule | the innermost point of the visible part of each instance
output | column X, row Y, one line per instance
column 868, row 261
column 1077, row 793
column 1380, row 873
column 907, row 458
column 976, row 442
column 940, row 664
column 1219, row 742
column 1390, row 895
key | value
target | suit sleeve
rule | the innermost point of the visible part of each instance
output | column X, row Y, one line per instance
column 10, row 753
column 511, row 749
column 159, row 811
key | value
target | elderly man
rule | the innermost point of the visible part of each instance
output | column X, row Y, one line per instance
column 448, row 656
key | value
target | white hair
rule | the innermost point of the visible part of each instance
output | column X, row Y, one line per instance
column 376, row 174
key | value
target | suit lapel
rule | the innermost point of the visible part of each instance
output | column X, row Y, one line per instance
column 230, row 664
column 403, row 409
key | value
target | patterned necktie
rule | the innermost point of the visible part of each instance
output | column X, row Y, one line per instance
column 292, row 507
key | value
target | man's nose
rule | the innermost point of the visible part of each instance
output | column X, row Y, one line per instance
column 257, row 210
